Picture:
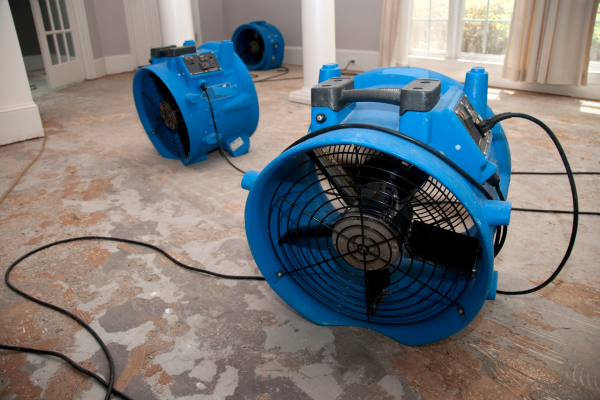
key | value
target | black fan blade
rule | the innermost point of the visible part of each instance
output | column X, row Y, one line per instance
column 303, row 233
column 258, row 56
column 443, row 248
column 406, row 179
column 338, row 178
column 376, row 283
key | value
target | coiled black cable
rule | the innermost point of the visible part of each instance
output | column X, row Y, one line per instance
column 488, row 124
column 212, row 114
column 109, row 385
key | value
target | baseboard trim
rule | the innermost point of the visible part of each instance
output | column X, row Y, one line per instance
column 366, row 60
column 100, row 67
column 300, row 96
column 33, row 63
column 114, row 64
column 20, row 123
column 457, row 69
column 120, row 63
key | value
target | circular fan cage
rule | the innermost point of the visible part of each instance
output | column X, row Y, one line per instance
column 164, row 116
column 249, row 46
column 349, row 225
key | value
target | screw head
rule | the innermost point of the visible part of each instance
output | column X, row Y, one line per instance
column 279, row 274
column 321, row 117
column 461, row 311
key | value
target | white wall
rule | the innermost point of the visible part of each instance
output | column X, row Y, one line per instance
column 109, row 36
column 19, row 115
column 357, row 25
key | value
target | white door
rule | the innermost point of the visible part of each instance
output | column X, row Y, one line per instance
column 145, row 24
column 58, row 41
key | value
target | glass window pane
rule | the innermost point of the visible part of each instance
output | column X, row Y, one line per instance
column 62, row 48
column 45, row 17
column 439, row 8
column 472, row 40
column 55, row 17
column 64, row 13
column 497, row 37
column 437, row 39
column 421, row 9
column 70, row 46
column 418, row 38
column 475, row 9
column 52, row 49
column 595, row 50
column 501, row 9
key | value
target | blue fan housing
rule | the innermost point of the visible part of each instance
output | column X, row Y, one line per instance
column 295, row 223
column 174, row 109
column 260, row 45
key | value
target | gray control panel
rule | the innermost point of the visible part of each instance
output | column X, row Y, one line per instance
column 201, row 63
column 466, row 113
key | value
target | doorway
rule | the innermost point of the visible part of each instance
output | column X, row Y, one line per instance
column 30, row 46
column 49, row 43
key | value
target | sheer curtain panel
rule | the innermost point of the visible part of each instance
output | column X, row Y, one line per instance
column 549, row 41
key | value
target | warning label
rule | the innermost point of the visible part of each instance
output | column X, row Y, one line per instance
column 236, row 144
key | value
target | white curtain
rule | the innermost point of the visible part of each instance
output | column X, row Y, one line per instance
column 549, row 41
column 393, row 37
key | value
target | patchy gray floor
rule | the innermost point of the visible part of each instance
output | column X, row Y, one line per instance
column 178, row 334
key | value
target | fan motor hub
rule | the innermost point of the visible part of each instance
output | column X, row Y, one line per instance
column 169, row 114
column 254, row 46
column 365, row 242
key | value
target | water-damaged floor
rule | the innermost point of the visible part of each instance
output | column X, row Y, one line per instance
column 176, row 334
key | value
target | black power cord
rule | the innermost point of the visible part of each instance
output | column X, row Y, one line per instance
column 212, row 114
column 282, row 71
column 553, row 173
column 109, row 385
column 488, row 124
column 285, row 70
column 499, row 240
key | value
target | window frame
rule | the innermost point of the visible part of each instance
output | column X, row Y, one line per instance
column 454, row 37
column 594, row 66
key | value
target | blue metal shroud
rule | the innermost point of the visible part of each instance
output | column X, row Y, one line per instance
column 231, row 91
column 260, row 45
column 441, row 129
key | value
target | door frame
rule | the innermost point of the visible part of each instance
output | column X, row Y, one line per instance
column 151, row 21
column 80, row 20
column 41, row 34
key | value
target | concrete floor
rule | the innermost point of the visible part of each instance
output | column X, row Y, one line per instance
column 178, row 334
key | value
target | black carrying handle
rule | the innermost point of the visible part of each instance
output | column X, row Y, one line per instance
column 337, row 93
column 388, row 96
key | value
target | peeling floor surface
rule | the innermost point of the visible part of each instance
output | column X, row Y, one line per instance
column 176, row 334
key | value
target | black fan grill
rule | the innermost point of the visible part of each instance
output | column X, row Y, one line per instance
column 372, row 236
column 250, row 46
column 164, row 115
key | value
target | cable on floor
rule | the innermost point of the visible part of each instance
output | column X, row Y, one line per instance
column 487, row 125
column 110, row 384
column 24, row 171
column 212, row 114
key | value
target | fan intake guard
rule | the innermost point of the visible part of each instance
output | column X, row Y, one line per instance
column 362, row 228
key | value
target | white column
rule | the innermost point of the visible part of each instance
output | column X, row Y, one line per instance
column 176, row 21
column 318, row 43
column 19, row 115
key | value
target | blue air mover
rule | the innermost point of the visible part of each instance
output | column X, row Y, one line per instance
column 259, row 45
column 382, row 216
column 174, row 109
